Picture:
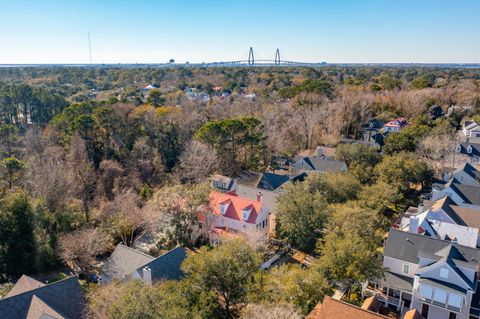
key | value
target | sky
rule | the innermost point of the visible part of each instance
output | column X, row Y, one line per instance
column 148, row 31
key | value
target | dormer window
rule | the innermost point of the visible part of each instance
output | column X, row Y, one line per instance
column 459, row 148
column 224, row 207
column 444, row 273
column 246, row 213
column 469, row 149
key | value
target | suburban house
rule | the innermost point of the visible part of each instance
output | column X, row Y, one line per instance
column 224, row 183
column 126, row 264
column 30, row 298
column 471, row 129
column 470, row 152
column 281, row 162
column 371, row 131
column 332, row 308
column 462, row 194
column 436, row 277
column 234, row 214
column 395, row 125
column 272, row 182
column 443, row 219
column 467, row 174
column 318, row 163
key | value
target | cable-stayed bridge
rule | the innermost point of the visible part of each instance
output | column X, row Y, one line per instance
column 252, row 62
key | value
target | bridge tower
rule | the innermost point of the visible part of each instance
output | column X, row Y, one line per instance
column 277, row 57
column 251, row 58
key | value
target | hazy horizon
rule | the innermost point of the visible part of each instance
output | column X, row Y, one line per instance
column 346, row 31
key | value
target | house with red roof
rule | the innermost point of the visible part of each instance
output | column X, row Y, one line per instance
column 395, row 125
column 230, row 213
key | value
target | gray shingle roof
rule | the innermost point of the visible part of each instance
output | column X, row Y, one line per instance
column 469, row 169
column 269, row 198
column 323, row 164
column 122, row 262
column 125, row 262
column 24, row 284
column 64, row 297
column 454, row 258
column 271, row 182
column 167, row 266
column 397, row 281
column 408, row 246
column 470, row 194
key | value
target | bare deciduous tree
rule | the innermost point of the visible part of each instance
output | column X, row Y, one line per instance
column 109, row 171
column 78, row 249
column 197, row 162
column 82, row 175
column 270, row 311
column 126, row 220
column 47, row 177
column 438, row 149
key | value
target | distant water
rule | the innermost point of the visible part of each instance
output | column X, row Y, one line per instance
column 222, row 64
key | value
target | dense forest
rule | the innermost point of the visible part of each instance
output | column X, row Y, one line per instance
column 94, row 156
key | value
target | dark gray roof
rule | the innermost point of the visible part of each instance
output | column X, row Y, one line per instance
column 447, row 205
column 167, row 266
column 323, row 164
column 269, row 198
column 442, row 284
column 452, row 256
column 408, row 246
column 397, row 281
column 469, row 194
column 125, row 261
column 122, row 262
column 271, row 182
column 469, row 169
column 64, row 297
column 475, row 149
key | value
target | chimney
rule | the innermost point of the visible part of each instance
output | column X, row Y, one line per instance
column 319, row 151
column 413, row 227
column 147, row 275
column 259, row 196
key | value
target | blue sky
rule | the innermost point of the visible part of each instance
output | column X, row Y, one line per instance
column 55, row 31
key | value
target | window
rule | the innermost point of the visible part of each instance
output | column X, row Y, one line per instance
column 406, row 268
column 454, row 301
column 444, row 273
column 452, row 315
column 469, row 149
column 459, row 148
column 426, row 292
column 440, row 297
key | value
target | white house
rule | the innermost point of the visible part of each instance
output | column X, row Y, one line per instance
column 445, row 220
column 234, row 214
column 395, row 125
column 467, row 174
column 471, row 129
column 436, row 277
column 463, row 195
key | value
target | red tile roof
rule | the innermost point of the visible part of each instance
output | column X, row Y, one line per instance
column 413, row 314
column 398, row 122
column 235, row 206
column 331, row 308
